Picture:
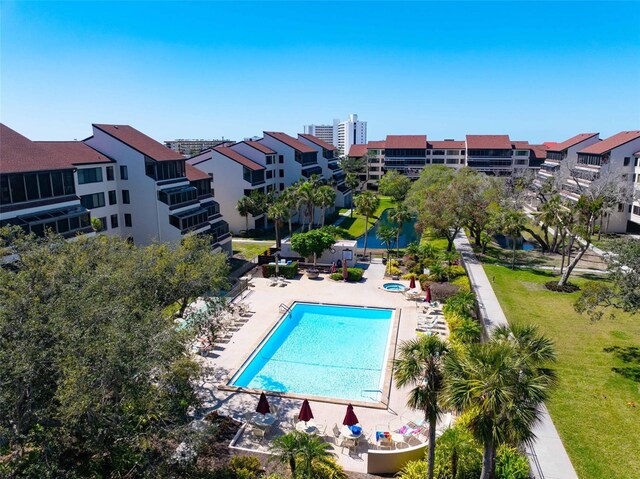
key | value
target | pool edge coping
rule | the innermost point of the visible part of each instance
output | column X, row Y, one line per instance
column 387, row 378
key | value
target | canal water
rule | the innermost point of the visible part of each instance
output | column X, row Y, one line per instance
column 407, row 235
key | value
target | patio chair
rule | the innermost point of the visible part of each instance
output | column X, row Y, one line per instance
column 258, row 433
column 283, row 282
column 274, row 410
column 248, row 417
column 336, row 433
column 273, row 281
column 349, row 444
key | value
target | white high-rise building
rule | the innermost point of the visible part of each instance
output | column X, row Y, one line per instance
column 342, row 134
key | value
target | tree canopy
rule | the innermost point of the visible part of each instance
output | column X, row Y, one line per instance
column 395, row 185
column 313, row 242
column 94, row 378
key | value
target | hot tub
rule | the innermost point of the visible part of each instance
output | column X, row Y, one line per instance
column 394, row 287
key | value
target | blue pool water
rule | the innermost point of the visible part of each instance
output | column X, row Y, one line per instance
column 407, row 235
column 322, row 350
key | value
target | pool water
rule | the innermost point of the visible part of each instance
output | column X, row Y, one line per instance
column 322, row 350
column 394, row 287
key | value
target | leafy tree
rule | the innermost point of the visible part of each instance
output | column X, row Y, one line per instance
column 366, row 205
column 395, row 185
column 94, row 379
column 502, row 385
column 244, row 207
column 96, row 224
column 622, row 291
column 483, row 194
column 313, row 242
column 326, row 197
column 398, row 217
column 353, row 164
column 420, row 365
column 278, row 212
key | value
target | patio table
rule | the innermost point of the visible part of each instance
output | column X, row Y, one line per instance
column 347, row 433
column 308, row 428
column 262, row 420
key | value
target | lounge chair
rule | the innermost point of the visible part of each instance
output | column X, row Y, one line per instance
column 273, row 281
column 349, row 444
column 282, row 281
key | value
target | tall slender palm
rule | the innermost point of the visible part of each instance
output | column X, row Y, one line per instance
column 288, row 199
column 277, row 212
column 244, row 207
column 386, row 234
column 326, row 197
column 512, row 222
column 502, row 390
column 366, row 205
column 399, row 216
column 307, row 197
column 420, row 365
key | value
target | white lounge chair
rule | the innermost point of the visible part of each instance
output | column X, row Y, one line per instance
column 273, row 281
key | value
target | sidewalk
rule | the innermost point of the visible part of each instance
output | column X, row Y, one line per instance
column 548, row 457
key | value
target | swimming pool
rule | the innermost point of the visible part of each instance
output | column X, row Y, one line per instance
column 322, row 350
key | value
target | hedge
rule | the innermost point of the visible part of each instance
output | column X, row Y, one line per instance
column 354, row 274
column 288, row 271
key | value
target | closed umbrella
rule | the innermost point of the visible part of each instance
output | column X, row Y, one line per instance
column 333, row 267
column 427, row 296
column 345, row 273
column 412, row 283
column 305, row 412
column 350, row 418
column 263, row 405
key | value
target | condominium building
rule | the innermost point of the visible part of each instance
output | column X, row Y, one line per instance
column 193, row 147
column 564, row 151
column 137, row 187
column 342, row 134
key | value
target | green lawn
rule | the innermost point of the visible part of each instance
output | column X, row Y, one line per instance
column 250, row 249
column 595, row 409
column 351, row 228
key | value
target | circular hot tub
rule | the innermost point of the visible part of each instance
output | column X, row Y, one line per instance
column 394, row 287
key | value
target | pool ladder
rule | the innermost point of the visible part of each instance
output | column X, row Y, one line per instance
column 283, row 308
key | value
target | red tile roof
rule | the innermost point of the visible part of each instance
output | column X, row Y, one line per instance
column 520, row 145
column 358, row 150
column 380, row 144
column 406, row 141
column 574, row 140
column 260, row 147
column 551, row 144
column 290, row 141
column 539, row 151
column 195, row 174
column 317, row 141
column 495, row 142
column 75, row 152
column 140, row 142
column 612, row 142
column 237, row 157
column 18, row 154
column 443, row 145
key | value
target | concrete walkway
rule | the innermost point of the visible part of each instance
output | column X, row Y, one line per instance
column 548, row 457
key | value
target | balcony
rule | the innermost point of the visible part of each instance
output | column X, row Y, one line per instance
column 253, row 177
column 488, row 163
column 342, row 188
column 190, row 220
column 67, row 222
column 334, row 165
column 314, row 170
column 306, row 159
column 178, row 196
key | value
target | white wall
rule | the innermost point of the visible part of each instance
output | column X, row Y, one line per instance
column 104, row 187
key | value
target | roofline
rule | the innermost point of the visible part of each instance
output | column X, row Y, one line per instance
column 287, row 144
column 131, row 146
column 612, row 148
column 248, row 143
column 249, row 159
column 305, row 135
column 574, row 144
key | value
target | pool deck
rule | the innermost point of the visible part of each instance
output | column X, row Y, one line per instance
column 264, row 300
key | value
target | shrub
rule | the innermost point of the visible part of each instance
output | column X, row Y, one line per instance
column 455, row 272
column 336, row 276
column 410, row 264
column 251, row 464
column 355, row 274
column 423, row 279
column 511, row 464
column 463, row 282
column 408, row 276
column 567, row 288
column 288, row 271
column 394, row 271
column 442, row 291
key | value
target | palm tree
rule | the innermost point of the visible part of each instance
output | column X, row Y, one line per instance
column 326, row 197
column 399, row 216
column 306, row 195
column 286, row 448
column 366, row 205
column 503, row 392
column 314, row 453
column 244, row 207
column 277, row 212
column 288, row 199
column 512, row 222
column 458, row 446
column 386, row 234
column 420, row 365
column 352, row 182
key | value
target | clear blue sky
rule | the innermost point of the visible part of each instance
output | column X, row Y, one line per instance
column 537, row 71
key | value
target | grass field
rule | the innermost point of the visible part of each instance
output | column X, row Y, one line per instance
column 351, row 228
column 596, row 407
column 249, row 249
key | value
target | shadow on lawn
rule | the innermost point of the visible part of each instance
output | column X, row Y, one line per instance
column 628, row 355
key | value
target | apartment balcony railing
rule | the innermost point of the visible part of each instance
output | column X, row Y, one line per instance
column 314, row 170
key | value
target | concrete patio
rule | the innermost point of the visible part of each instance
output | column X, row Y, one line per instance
column 264, row 301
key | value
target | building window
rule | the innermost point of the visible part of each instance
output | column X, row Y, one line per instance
column 90, row 202
column 125, row 197
column 281, row 186
column 124, row 172
column 89, row 175
column 280, row 159
column 620, row 207
column 269, row 174
column 522, row 152
column 281, row 173
column 127, row 220
column 110, row 174
column 113, row 198
column 103, row 223
column 114, row 221
column 627, row 160
column 269, row 160
column 636, row 210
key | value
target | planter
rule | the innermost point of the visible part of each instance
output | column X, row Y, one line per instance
column 313, row 273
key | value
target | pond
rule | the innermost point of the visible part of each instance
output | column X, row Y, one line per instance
column 507, row 243
column 407, row 235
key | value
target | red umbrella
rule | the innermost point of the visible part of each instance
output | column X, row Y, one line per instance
column 412, row 283
column 345, row 273
column 350, row 418
column 427, row 296
column 305, row 412
column 333, row 267
column 263, row 405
